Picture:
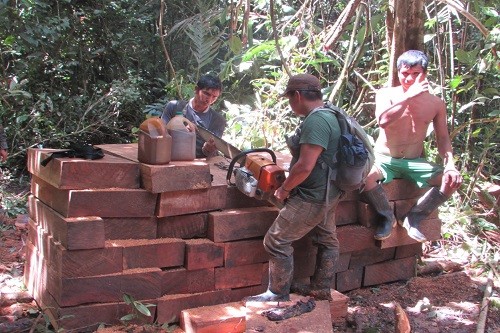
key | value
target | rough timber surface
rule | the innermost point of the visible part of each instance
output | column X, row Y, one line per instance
column 78, row 173
column 317, row 321
column 174, row 176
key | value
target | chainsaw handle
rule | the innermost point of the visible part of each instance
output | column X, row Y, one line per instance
column 243, row 154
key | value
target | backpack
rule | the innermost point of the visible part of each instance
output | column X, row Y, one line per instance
column 354, row 158
column 79, row 150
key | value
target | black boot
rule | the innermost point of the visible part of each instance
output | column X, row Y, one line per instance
column 377, row 198
column 431, row 200
column 280, row 279
column 324, row 274
column 323, row 278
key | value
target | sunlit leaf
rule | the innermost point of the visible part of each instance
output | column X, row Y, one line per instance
column 456, row 81
column 128, row 317
column 142, row 309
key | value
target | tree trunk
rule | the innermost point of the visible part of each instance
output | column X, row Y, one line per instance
column 405, row 31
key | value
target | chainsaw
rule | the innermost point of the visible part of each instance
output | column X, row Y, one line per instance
column 258, row 175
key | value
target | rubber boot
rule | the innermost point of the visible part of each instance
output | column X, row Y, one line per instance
column 324, row 274
column 377, row 198
column 323, row 278
column 431, row 200
column 280, row 279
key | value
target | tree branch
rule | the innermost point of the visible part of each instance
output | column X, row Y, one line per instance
column 276, row 39
column 164, row 47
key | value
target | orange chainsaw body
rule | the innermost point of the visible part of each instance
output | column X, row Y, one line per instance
column 269, row 175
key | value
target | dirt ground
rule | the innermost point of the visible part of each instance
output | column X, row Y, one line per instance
column 445, row 299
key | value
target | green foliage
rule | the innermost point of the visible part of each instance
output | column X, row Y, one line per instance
column 204, row 45
column 13, row 201
column 139, row 310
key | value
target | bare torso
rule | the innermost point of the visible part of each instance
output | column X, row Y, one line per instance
column 404, row 136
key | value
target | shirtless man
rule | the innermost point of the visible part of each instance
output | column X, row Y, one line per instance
column 404, row 114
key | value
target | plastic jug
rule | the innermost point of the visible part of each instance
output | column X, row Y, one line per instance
column 183, row 140
column 155, row 144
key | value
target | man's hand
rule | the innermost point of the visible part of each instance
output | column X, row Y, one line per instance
column 281, row 194
column 3, row 154
column 452, row 178
column 420, row 85
column 209, row 147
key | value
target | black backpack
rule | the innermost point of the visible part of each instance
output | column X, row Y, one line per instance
column 79, row 150
column 354, row 158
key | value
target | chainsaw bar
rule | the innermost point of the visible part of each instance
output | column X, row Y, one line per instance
column 227, row 149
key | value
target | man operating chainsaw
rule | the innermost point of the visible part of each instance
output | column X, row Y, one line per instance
column 309, row 202
column 199, row 111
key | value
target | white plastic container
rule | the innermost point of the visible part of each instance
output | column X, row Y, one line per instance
column 183, row 140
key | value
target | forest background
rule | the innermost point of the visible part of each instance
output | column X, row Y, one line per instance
column 92, row 71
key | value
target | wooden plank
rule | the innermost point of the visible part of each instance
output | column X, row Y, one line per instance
column 81, row 263
column 355, row 238
column 203, row 253
column 367, row 257
column 217, row 197
column 228, row 317
column 409, row 250
column 151, row 253
column 173, row 281
column 78, row 173
column 73, row 233
column 175, row 176
column 130, row 227
column 141, row 284
column 390, row 271
column 88, row 317
column 170, row 306
column 183, row 226
column 200, row 280
column 112, row 202
column 244, row 252
column 349, row 280
column 430, row 228
column 338, row 307
column 126, row 150
column 318, row 320
column 238, row 277
column 237, row 224
column 346, row 213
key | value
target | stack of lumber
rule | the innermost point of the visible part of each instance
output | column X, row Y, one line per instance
column 178, row 237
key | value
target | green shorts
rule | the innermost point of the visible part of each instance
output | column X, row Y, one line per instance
column 417, row 170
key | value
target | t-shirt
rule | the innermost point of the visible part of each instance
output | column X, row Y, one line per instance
column 211, row 120
column 319, row 128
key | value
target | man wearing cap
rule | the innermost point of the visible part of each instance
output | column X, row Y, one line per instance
column 307, row 209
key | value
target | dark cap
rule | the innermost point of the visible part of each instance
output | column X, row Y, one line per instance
column 302, row 82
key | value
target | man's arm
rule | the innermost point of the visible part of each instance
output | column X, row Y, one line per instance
column 3, row 144
column 309, row 154
column 390, row 105
column 451, row 176
column 169, row 111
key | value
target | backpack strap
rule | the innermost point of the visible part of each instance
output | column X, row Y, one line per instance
column 181, row 106
column 331, row 169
